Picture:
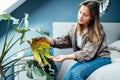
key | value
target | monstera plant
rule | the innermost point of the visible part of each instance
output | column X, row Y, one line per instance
column 42, row 64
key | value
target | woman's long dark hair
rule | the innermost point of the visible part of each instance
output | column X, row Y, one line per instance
column 94, row 29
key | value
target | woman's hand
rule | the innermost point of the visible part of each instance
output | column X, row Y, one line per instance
column 59, row 58
column 46, row 39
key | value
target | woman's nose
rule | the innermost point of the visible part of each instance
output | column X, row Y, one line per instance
column 80, row 16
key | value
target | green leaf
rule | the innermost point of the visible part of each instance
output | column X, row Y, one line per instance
column 26, row 21
column 53, row 66
column 41, row 57
column 40, row 30
column 22, row 39
column 50, row 69
column 29, row 70
column 20, row 30
column 37, row 69
column 45, row 52
column 5, row 16
column 49, row 77
column 29, row 73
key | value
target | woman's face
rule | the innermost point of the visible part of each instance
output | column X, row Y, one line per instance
column 84, row 15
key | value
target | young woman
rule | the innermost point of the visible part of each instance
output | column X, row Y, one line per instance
column 88, row 41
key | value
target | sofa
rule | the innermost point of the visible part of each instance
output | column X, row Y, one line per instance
column 107, row 72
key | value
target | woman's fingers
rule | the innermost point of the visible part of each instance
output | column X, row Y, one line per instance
column 59, row 58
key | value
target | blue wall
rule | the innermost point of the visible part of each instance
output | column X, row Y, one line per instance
column 44, row 12
column 112, row 14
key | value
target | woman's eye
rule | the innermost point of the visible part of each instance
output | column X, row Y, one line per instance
column 85, row 15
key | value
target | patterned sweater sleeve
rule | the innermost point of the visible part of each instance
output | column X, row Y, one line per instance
column 63, row 41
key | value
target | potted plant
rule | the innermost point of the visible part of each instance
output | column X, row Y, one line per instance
column 42, row 66
column 41, row 53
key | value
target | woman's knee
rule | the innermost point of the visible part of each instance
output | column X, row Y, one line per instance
column 77, row 75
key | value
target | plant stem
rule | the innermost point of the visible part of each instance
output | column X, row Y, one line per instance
column 14, row 54
column 15, row 60
column 13, row 65
column 15, row 33
column 11, row 39
column 5, row 43
column 5, row 52
column 17, row 72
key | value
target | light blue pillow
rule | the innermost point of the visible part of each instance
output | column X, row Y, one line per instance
column 115, row 45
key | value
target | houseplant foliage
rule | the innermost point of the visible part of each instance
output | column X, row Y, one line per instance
column 38, row 66
column 43, row 65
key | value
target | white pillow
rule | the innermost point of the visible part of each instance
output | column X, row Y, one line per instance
column 115, row 55
column 115, row 45
column 108, row 72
